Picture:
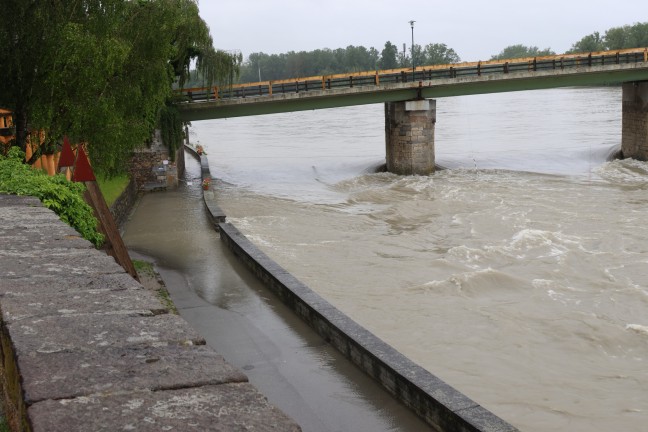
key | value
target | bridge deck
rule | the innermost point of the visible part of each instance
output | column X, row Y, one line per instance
column 329, row 91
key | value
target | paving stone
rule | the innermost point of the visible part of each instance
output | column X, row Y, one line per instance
column 18, row 306
column 17, row 200
column 226, row 407
column 64, row 375
column 90, row 332
column 30, row 238
column 70, row 284
column 90, row 350
column 62, row 262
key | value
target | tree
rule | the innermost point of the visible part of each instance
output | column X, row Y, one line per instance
column 437, row 53
column 634, row 36
column 388, row 57
column 589, row 43
column 519, row 51
column 100, row 71
column 638, row 35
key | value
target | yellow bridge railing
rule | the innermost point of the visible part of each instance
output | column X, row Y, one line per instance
column 420, row 73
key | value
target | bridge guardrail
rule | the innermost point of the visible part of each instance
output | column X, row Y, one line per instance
column 421, row 73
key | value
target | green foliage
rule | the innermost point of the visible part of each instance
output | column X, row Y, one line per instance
column 101, row 71
column 299, row 64
column 56, row 193
column 171, row 128
column 590, row 43
column 519, row 51
column 628, row 36
column 264, row 67
column 112, row 187
column 388, row 57
column 147, row 273
column 434, row 54
column 144, row 268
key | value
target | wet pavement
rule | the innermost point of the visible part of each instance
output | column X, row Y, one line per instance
column 295, row 368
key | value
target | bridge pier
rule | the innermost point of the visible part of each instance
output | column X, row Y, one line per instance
column 409, row 136
column 634, row 135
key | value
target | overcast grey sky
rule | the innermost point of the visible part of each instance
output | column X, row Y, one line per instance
column 476, row 30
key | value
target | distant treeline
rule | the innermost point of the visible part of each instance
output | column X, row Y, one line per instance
column 342, row 60
column 629, row 36
column 264, row 67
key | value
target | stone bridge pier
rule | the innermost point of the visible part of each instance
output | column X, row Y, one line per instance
column 409, row 136
column 634, row 135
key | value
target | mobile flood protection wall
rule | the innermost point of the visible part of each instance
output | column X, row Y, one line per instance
column 440, row 405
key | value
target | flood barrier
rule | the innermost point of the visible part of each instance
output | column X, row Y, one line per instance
column 441, row 406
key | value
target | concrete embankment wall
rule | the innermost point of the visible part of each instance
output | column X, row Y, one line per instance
column 84, row 347
column 440, row 405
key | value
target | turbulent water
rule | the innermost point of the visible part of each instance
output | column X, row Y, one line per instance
column 518, row 275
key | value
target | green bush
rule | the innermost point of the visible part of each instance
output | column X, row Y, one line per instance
column 56, row 193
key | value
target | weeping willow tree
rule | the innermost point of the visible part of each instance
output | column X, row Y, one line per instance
column 101, row 71
column 193, row 45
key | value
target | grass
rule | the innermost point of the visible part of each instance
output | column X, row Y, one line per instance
column 112, row 188
column 146, row 270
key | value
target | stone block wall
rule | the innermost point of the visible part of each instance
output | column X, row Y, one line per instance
column 85, row 347
column 409, row 136
column 123, row 205
column 634, row 141
column 146, row 161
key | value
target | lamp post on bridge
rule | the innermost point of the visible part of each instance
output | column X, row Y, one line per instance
column 413, row 63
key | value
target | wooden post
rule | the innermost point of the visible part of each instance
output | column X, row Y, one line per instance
column 114, row 244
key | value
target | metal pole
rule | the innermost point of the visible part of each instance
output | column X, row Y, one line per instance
column 413, row 63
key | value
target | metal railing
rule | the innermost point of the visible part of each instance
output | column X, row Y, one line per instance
column 421, row 73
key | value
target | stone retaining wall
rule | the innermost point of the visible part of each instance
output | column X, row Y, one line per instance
column 123, row 205
column 84, row 347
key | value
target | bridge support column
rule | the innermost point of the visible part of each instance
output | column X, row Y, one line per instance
column 409, row 135
column 634, row 134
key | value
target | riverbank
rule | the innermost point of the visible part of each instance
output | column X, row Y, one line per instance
column 86, row 347
column 286, row 360
column 406, row 381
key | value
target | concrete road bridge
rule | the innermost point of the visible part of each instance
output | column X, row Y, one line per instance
column 408, row 94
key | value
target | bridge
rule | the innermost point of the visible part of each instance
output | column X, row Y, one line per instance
column 410, row 111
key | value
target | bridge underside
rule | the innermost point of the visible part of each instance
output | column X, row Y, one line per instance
column 447, row 87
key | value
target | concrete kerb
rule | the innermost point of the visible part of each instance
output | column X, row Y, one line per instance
column 216, row 215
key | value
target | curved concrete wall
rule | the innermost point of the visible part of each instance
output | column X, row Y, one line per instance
column 440, row 405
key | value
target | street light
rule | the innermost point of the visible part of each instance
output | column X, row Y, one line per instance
column 413, row 64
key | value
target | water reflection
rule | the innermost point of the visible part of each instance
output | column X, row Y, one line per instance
column 294, row 368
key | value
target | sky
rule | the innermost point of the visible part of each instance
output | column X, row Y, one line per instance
column 476, row 30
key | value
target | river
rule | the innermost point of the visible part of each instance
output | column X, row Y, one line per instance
column 518, row 275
